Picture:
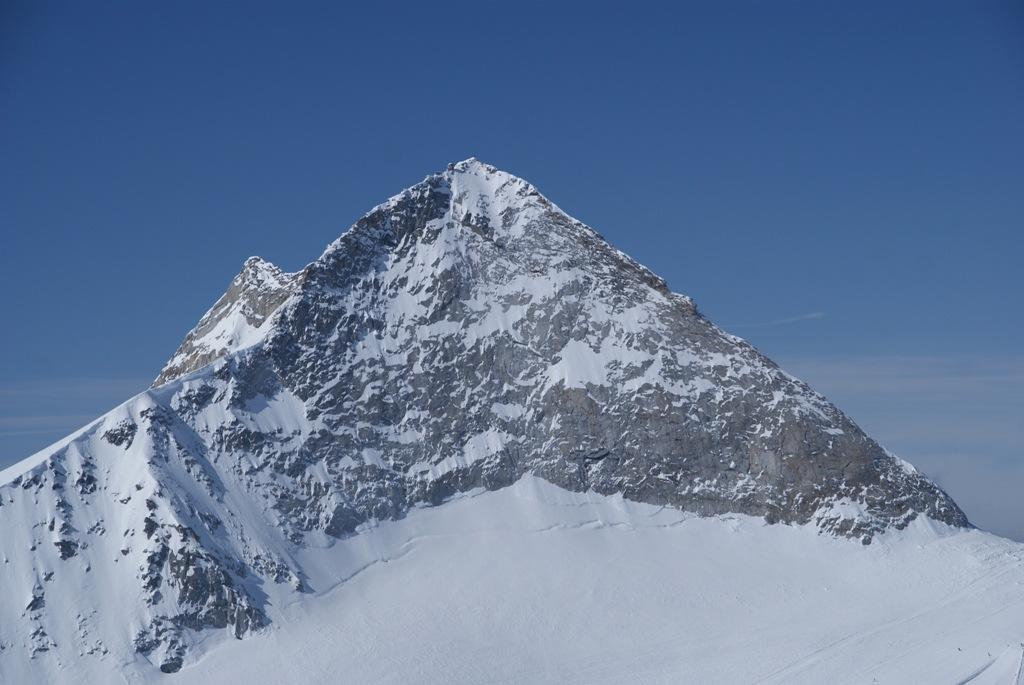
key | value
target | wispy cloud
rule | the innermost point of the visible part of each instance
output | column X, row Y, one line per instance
column 34, row 413
column 956, row 418
column 42, row 425
column 70, row 388
column 912, row 374
column 809, row 316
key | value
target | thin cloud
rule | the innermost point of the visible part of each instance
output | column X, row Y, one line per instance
column 72, row 388
column 956, row 418
column 810, row 316
column 42, row 425
column 35, row 412
column 912, row 374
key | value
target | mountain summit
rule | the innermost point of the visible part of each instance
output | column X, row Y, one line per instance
column 477, row 333
column 462, row 336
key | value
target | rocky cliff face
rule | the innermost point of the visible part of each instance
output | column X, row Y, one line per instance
column 461, row 335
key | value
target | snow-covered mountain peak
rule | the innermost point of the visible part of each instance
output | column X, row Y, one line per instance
column 464, row 335
column 471, row 284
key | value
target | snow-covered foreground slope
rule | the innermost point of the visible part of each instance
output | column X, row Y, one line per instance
column 533, row 584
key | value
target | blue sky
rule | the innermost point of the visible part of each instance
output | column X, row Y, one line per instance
column 840, row 183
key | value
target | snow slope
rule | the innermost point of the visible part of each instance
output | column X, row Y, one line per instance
column 533, row 584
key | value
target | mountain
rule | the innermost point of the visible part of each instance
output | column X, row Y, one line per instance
column 465, row 347
column 475, row 332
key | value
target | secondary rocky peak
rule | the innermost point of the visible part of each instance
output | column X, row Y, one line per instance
column 235, row 321
column 257, row 271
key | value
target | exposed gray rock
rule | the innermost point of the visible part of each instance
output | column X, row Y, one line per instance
column 254, row 294
column 468, row 332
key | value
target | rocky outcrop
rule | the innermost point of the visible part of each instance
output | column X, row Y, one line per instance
column 235, row 319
